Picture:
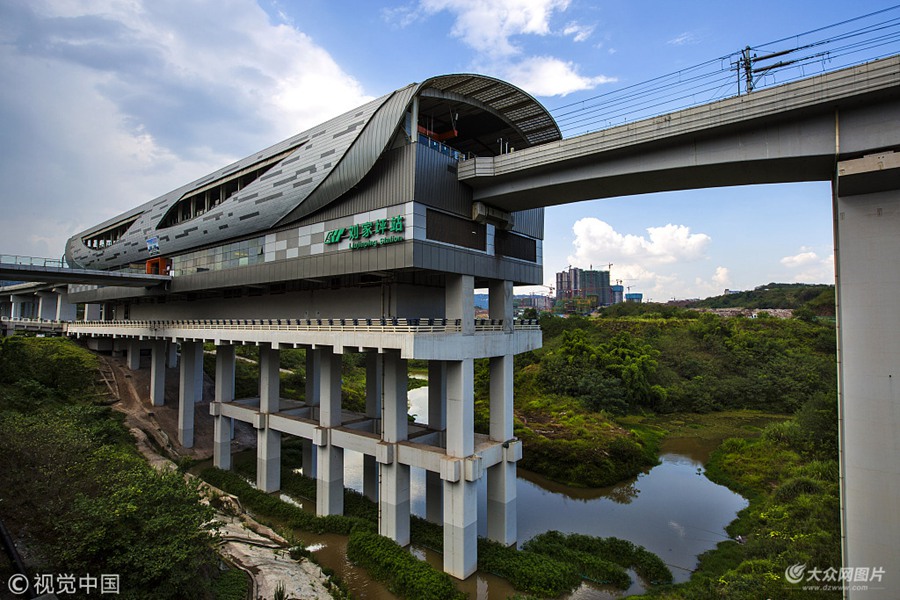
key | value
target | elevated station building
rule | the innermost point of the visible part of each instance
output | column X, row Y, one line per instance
column 353, row 236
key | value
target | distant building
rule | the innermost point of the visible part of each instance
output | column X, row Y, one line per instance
column 580, row 283
column 596, row 283
column 618, row 293
column 634, row 297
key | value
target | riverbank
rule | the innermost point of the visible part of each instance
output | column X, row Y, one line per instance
column 789, row 473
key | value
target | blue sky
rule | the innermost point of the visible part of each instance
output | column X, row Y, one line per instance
column 106, row 104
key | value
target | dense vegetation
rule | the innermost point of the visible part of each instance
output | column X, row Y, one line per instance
column 818, row 298
column 74, row 489
column 790, row 475
column 572, row 393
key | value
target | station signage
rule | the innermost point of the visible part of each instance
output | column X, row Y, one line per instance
column 370, row 234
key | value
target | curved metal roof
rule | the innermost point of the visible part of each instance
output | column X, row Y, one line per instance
column 520, row 109
column 318, row 166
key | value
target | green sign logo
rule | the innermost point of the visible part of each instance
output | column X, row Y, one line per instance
column 360, row 234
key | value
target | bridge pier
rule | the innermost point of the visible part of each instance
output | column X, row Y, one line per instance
column 65, row 311
column 191, row 373
column 313, row 393
column 437, row 420
column 393, row 503
column 268, row 448
column 330, row 458
column 222, row 426
column 867, row 242
column 461, row 472
column 374, row 390
column 133, row 355
column 47, row 303
column 158, row 373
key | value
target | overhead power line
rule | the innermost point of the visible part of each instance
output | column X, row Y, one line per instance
column 852, row 41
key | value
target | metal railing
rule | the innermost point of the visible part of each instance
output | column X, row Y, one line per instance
column 379, row 324
column 32, row 261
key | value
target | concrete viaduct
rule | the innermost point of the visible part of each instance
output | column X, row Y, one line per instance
column 842, row 127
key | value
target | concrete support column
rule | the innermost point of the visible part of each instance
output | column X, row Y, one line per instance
column 268, row 446
column 460, row 493
column 46, row 306
column 501, row 478
column 187, row 391
column 460, row 301
column 393, row 505
column 437, row 420
column 374, row 376
column 867, row 236
column 171, row 354
column 500, row 303
column 313, row 391
column 92, row 312
column 158, row 373
column 225, row 361
column 133, row 355
column 18, row 306
column 330, row 459
column 65, row 311
column 198, row 374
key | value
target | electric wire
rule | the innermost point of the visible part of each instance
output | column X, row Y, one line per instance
column 728, row 75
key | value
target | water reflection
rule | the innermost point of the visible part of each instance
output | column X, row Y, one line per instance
column 672, row 509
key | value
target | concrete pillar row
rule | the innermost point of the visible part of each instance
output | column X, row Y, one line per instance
column 330, row 459
column 460, row 492
column 133, row 354
column 867, row 242
column 65, row 311
column 313, row 391
column 187, row 390
column 501, row 478
column 93, row 312
column 437, row 420
column 225, row 367
column 393, row 505
column 268, row 441
column 198, row 373
column 171, row 354
column 46, row 306
column 158, row 373
column 18, row 305
column 374, row 386
column 459, row 301
column 500, row 303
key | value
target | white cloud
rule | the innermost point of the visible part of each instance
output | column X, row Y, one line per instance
column 644, row 262
column 716, row 285
column 488, row 25
column 548, row 76
column 685, row 38
column 808, row 267
column 579, row 32
column 800, row 260
column 491, row 29
column 119, row 102
column 596, row 239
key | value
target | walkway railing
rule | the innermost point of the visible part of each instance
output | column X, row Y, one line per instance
column 379, row 324
column 32, row 261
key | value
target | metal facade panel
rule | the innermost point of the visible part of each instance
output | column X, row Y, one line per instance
column 255, row 208
column 326, row 163
column 360, row 157
column 530, row 222
column 437, row 184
